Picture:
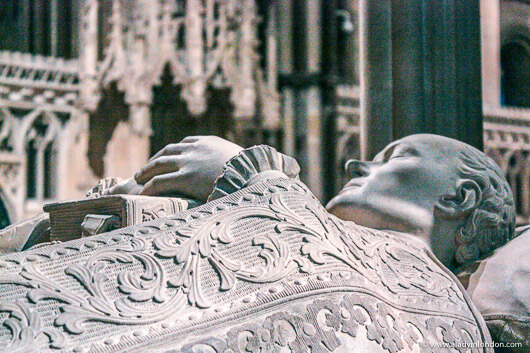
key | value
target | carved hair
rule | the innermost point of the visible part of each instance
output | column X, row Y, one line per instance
column 492, row 223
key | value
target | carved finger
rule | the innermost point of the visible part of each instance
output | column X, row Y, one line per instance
column 170, row 150
column 128, row 186
column 167, row 184
column 192, row 139
column 158, row 166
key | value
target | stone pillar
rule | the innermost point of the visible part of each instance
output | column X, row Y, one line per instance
column 376, row 76
column 313, row 98
column 195, row 90
column 491, row 52
column 286, row 68
column 74, row 176
column 408, row 108
column 436, row 66
column 332, row 30
column 245, row 105
column 272, row 49
column 89, row 55
column 25, row 34
column 54, row 28
column 39, row 30
column 140, row 119
column 75, row 26
column 126, row 152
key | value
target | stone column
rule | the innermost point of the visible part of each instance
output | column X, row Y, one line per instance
column 39, row 30
column 376, row 76
column 313, row 98
column 89, row 55
column 54, row 27
column 331, row 56
column 25, row 30
column 245, row 106
column 195, row 90
column 408, row 108
column 491, row 52
column 126, row 152
column 286, row 67
column 269, row 84
column 75, row 26
column 437, row 69
column 74, row 176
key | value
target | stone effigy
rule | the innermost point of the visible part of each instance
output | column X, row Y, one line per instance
column 262, row 266
column 445, row 192
column 262, row 269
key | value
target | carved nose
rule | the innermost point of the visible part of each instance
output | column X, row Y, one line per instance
column 357, row 169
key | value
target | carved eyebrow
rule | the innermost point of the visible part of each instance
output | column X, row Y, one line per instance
column 388, row 153
column 408, row 149
column 401, row 148
column 385, row 154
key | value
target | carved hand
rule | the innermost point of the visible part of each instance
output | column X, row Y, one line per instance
column 188, row 168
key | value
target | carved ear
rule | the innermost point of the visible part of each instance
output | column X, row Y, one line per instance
column 466, row 200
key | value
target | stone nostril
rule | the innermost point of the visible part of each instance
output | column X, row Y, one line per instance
column 356, row 169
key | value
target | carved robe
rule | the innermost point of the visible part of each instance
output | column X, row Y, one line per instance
column 264, row 269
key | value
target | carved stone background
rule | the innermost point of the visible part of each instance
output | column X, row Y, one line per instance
column 12, row 170
column 129, row 44
column 204, row 43
column 264, row 268
column 40, row 127
column 142, row 38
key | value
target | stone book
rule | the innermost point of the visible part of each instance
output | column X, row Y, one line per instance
column 74, row 219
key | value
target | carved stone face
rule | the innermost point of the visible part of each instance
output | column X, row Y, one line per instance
column 399, row 189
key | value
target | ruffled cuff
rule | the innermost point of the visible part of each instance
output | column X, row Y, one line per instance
column 251, row 166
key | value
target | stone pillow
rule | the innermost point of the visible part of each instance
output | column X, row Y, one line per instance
column 500, row 288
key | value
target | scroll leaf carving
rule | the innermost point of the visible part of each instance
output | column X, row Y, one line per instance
column 97, row 306
column 27, row 332
column 379, row 260
column 301, row 331
column 198, row 242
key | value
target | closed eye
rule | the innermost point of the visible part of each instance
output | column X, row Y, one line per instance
column 404, row 152
column 396, row 151
column 396, row 156
column 385, row 155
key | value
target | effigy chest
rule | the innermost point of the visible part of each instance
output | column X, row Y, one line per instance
column 265, row 269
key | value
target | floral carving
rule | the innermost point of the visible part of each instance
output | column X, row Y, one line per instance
column 301, row 331
column 198, row 242
column 379, row 259
column 97, row 306
column 27, row 332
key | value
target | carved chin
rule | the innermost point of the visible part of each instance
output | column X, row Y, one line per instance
column 388, row 214
column 349, row 209
column 345, row 212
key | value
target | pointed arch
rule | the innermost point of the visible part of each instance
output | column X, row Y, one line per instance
column 5, row 212
column 38, row 140
column 111, row 109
